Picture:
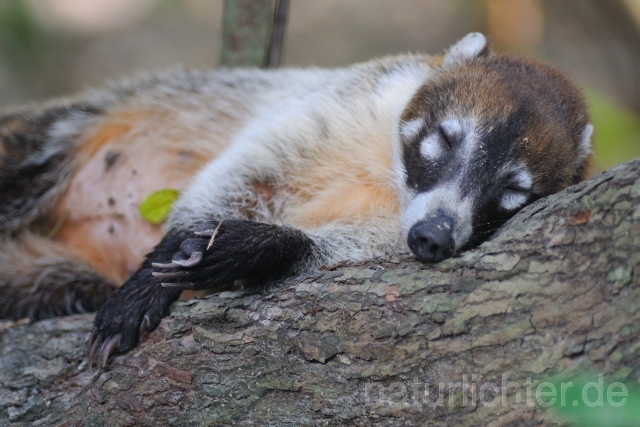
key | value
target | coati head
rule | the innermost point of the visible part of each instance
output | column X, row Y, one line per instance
column 489, row 134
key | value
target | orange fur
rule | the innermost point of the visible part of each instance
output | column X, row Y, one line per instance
column 121, row 161
column 345, row 199
column 349, row 185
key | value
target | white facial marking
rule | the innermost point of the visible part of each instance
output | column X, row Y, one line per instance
column 431, row 147
column 585, row 144
column 470, row 143
column 447, row 198
column 411, row 128
column 523, row 179
column 513, row 199
column 453, row 130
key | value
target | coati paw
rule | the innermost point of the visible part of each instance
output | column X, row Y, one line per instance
column 132, row 311
column 210, row 259
column 191, row 250
column 225, row 251
column 191, row 254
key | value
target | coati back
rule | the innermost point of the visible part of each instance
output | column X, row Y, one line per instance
column 280, row 172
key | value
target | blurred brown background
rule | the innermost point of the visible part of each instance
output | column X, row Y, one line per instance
column 55, row 47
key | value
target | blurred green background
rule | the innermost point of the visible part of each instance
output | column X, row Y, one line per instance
column 55, row 47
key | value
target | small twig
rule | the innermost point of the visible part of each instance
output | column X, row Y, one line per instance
column 6, row 325
column 213, row 236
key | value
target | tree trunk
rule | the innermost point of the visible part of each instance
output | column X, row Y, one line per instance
column 253, row 32
column 388, row 342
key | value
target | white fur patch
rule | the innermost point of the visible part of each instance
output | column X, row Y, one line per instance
column 467, row 48
column 431, row 147
column 411, row 128
column 522, row 179
column 455, row 132
column 465, row 130
column 447, row 198
column 453, row 129
column 513, row 199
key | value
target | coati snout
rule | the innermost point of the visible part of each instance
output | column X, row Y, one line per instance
column 432, row 239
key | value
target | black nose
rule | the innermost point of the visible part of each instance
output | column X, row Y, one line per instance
column 432, row 239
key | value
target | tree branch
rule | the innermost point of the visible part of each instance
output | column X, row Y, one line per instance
column 556, row 292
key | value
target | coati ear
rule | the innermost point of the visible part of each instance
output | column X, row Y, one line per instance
column 583, row 154
column 584, row 147
column 471, row 46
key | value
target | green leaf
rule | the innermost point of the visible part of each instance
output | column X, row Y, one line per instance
column 157, row 205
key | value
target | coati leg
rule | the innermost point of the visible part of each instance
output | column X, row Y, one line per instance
column 40, row 279
column 230, row 250
column 136, row 307
column 252, row 254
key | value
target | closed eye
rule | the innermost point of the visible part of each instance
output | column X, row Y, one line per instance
column 516, row 188
column 445, row 137
column 451, row 132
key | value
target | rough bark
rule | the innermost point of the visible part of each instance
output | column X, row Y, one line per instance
column 557, row 291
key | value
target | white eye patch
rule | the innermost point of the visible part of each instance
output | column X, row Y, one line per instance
column 452, row 130
column 411, row 128
column 512, row 200
column 431, row 147
column 516, row 194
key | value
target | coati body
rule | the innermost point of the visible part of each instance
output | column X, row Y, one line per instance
column 280, row 172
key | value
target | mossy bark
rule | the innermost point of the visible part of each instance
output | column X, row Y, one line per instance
column 386, row 342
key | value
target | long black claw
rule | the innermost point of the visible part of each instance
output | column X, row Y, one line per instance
column 106, row 350
column 92, row 346
column 165, row 265
column 168, row 274
column 144, row 325
column 206, row 227
column 194, row 259
column 182, row 285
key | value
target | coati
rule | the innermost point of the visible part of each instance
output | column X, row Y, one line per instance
column 280, row 172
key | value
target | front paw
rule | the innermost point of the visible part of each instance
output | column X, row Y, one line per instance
column 209, row 259
column 229, row 250
column 192, row 250
column 132, row 311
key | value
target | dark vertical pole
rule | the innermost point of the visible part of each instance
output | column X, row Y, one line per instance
column 277, row 33
column 253, row 32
